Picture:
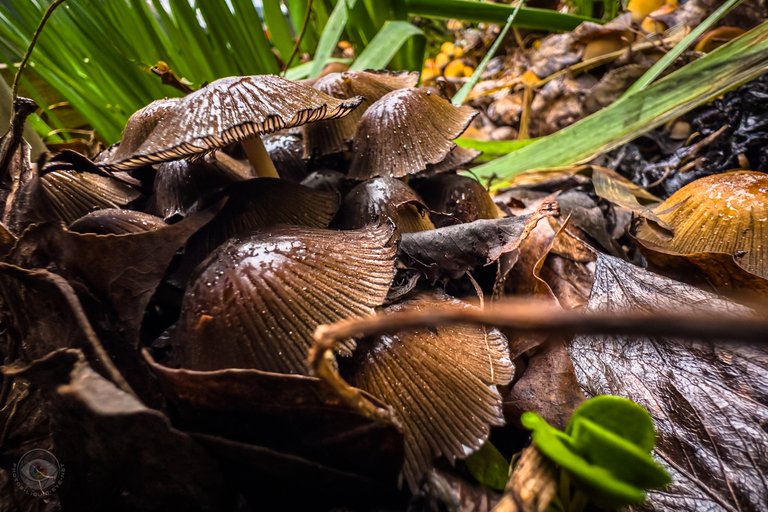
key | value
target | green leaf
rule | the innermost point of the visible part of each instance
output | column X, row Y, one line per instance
column 385, row 45
column 727, row 67
column 492, row 148
column 489, row 467
column 279, row 28
column 620, row 415
column 668, row 58
column 625, row 460
column 600, row 484
column 461, row 94
column 303, row 70
column 330, row 36
column 468, row 10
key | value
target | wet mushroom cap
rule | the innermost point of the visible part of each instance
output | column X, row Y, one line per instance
column 460, row 196
column 441, row 383
column 139, row 126
column 328, row 137
column 457, row 158
column 721, row 213
column 233, row 109
column 286, row 152
column 258, row 299
column 378, row 200
column 405, row 131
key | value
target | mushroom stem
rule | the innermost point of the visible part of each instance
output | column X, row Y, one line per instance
column 259, row 158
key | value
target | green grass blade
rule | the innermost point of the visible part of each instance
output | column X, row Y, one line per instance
column 703, row 80
column 664, row 62
column 461, row 94
column 302, row 71
column 298, row 10
column 493, row 148
column 385, row 45
column 279, row 28
column 330, row 36
column 250, row 23
column 468, row 10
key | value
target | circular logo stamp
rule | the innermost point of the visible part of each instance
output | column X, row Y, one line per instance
column 38, row 473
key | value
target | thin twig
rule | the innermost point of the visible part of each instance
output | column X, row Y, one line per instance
column 538, row 316
column 296, row 45
column 38, row 31
column 523, row 315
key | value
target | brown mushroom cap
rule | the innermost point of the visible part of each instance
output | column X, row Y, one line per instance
column 328, row 137
column 722, row 213
column 139, row 126
column 405, row 131
column 441, row 383
column 375, row 201
column 456, row 159
column 229, row 110
column 68, row 195
column 258, row 299
column 459, row 196
column 286, row 152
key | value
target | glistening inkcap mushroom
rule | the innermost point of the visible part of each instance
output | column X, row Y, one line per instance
column 234, row 109
column 328, row 137
column 404, row 132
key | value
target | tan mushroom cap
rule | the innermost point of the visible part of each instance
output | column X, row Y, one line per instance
column 441, row 383
column 328, row 137
column 405, row 131
column 233, row 109
column 722, row 213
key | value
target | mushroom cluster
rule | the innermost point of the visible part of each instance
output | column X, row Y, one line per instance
column 228, row 235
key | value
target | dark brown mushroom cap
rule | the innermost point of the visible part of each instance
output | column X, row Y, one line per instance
column 286, row 153
column 258, row 299
column 441, row 383
column 327, row 180
column 377, row 200
column 405, row 131
column 459, row 196
column 112, row 221
column 233, row 109
column 139, row 126
column 180, row 184
column 260, row 203
column 457, row 158
column 68, row 195
column 328, row 137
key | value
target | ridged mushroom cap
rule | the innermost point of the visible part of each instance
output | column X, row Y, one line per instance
column 258, row 299
column 328, row 137
column 441, row 383
column 229, row 110
column 722, row 213
column 404, row 132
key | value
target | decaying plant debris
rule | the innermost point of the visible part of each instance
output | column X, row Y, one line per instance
column 164, row 307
